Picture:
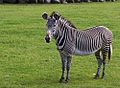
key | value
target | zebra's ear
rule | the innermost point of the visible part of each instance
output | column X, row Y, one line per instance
column 45, row 16
column 56, row 16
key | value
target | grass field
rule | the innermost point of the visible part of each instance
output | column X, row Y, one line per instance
column 26, row 61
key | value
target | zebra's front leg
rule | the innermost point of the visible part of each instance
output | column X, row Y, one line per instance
column 68, row 68
column 63, row 60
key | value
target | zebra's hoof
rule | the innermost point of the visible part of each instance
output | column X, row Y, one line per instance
column 96, row 77
column 102, row 77
column 66, row 81
column 61, row 81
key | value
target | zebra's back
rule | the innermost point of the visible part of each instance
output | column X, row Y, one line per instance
column 91, row 40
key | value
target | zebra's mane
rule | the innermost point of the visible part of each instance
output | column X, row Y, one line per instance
column 63, row 18
column 69, row 22
column 65, row 24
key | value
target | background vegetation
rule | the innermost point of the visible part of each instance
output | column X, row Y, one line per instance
column 26, row 61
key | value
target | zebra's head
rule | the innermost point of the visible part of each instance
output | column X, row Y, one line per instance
column 51, row 26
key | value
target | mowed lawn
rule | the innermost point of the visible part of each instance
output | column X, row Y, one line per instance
column 26, row 61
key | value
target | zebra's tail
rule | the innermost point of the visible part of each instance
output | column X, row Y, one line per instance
column 109, row 53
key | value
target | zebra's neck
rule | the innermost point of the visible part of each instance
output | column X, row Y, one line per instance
column 61, row 38
column 64, row 34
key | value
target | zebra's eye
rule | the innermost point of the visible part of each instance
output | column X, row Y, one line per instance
column 53, row 30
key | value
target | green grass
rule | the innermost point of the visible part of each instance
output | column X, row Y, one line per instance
column 26, row 61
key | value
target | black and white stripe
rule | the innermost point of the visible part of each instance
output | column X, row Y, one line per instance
column 71, row 41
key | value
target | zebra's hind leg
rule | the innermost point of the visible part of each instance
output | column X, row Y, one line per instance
column 68, row 68
column 104, row 64
column 98, row 57
column 63, row 60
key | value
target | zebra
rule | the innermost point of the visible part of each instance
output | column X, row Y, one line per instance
column 71, row 41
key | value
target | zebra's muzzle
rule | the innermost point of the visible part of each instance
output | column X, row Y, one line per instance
column 47, row 39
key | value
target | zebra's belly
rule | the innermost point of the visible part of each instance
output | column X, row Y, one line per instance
column 79, row 52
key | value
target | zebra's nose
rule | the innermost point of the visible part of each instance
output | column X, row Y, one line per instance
column 47, row 38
